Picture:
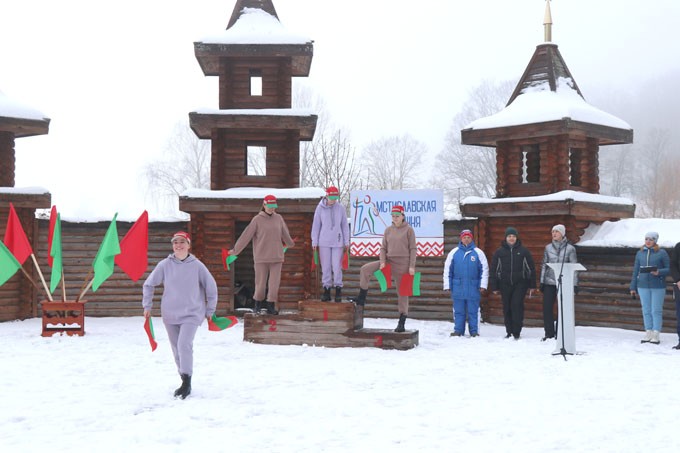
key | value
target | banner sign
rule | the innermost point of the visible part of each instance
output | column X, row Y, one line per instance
column 370, row 215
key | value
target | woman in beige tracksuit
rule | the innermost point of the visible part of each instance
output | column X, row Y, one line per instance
column 269, row 233
column 399, row 250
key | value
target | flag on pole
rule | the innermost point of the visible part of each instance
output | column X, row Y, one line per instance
column 384, row 277
column 104, row 261
column 215, row 324
column 8, row 264
column 133, row 258
column 410, row 285
column 15, row 237
column 50, row 234
column 148, row 328
column 55, row 253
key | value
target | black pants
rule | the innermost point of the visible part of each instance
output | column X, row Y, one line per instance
column 549, row 299
column 676, row 294
column 513, row 306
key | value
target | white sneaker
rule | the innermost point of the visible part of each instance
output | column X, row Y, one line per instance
column 648, row 337
column 655, row 337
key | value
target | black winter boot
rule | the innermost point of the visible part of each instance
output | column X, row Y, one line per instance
column 326, row 295
column 257, row 305
column 402, row 321
column 185, row 389
column 338, row 294
column 271, row 308
column 361, row 300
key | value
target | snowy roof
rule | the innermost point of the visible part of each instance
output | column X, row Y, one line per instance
column 557, row 196
column 275, row 112
column 631, row 233
column 537, row 104
column 255, row 26
column 10, row 108
column 24, row 190
column 256, row 193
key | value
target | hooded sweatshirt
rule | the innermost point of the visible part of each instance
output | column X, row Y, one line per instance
column 268, row 233
column 330, row 227
column 189, row 290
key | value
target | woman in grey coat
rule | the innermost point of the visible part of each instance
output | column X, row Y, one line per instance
column 558, row 251
column 189, row 296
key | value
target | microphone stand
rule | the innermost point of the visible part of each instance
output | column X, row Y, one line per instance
column 563, row 351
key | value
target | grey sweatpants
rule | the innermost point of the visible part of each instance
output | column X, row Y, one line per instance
column 267, row 275
column 399, row 268
column 181, row 338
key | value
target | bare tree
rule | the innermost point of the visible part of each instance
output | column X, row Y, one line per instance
column 463, row 170
column 185, row 164
column 657, row 167
column 393, row 163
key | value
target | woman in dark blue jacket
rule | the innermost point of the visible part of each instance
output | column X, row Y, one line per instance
column 652, row 265
column 512, row 272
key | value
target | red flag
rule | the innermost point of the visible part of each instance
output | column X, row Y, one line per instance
column 225, row 254
column 216, row 324
column 345, row 260
column 384, row 277
column 50, row 234
column 15, row 237
column 148, row 328
column 133, row 257
column 410, row 285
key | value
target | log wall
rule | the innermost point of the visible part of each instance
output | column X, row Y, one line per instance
column 603, row 298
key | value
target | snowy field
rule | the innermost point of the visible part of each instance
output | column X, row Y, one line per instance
column 107, row 391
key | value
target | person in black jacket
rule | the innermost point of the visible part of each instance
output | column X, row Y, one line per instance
column 675, row 276
column 512, row 273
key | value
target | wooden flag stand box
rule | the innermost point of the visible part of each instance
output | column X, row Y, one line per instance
column 328, row 324
column 63, row 317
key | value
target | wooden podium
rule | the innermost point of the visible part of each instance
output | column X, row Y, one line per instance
column 328, row 324
column 63, row 317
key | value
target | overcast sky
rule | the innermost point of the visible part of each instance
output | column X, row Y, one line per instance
column 115, row 79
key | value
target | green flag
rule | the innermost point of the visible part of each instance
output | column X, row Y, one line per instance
column 104, row 261
column 55, row 253
column 8, row 264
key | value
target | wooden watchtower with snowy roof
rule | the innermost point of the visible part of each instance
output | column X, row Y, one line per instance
column 547, row 140
column 17, row 296
column 255, row 146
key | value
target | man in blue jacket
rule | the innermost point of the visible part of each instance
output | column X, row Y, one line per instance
column 466, row 274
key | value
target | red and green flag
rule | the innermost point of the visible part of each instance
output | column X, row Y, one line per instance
column 55, row 253
column 8, row 264
column 148, row 328
column 15, row 237
column 133, row 258
column 384, row 277
column 50, row 234
column 104, row 261
column 216, row 323
column 315, row 259
column 410, row 285
column 227, row 259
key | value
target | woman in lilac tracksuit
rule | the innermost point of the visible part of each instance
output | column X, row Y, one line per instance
column 330, row 236
column 189, row 295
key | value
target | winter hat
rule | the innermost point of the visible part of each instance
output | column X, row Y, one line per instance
column 511, row 230
column 332, row 193
column 560, row 228
column 466, row 233
column 181, row 234
column 652, row 235
column 397, row 209
column 270, row 201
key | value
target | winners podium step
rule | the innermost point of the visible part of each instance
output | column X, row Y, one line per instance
column 329, row 324
column 63, row 318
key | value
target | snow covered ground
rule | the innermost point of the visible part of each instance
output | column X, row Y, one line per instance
column 108, row 391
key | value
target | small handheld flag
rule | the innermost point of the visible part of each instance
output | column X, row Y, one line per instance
column 227, row 259
column 216, row 324
column 345, row 260
column 410, row 285
column 315, row 260
column 148, row 327
column 384, row 277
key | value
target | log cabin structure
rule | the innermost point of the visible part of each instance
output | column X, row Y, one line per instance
column 18, row 297
column 547, row 140
column 255, row 142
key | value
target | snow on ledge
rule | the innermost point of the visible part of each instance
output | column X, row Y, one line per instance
column 631, row 233
column 558, row 196
column 274, row 112
column 12, row 109
column 256, row 193
column 24, row 190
